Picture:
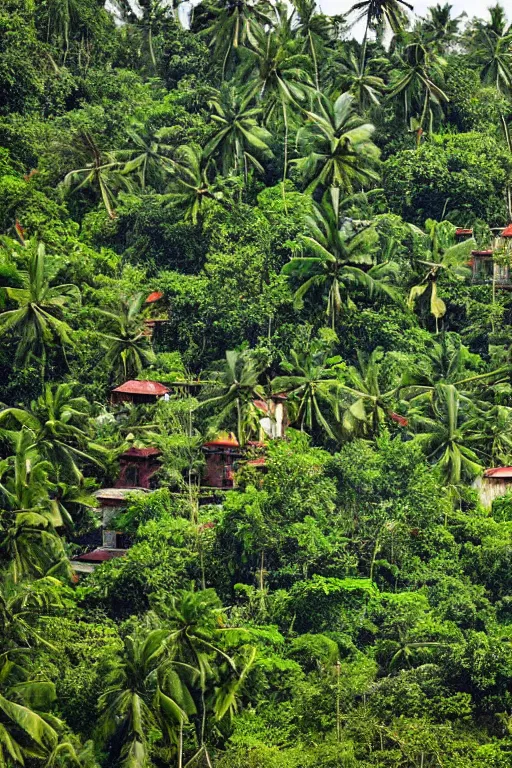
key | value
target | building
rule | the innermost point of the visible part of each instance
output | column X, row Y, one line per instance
column 138, row 466
column 494, row 483
column 494, row 265
column 138, row 392
column 221, row 456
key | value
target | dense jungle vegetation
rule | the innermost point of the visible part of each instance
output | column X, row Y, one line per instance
column 293, row 191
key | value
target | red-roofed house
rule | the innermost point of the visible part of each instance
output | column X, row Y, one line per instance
column 221, row 456
column 154, row 296
column 138, row 392
column 495, row 482
column 137, row 467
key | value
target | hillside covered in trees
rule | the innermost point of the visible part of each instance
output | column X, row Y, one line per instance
column 255, row 396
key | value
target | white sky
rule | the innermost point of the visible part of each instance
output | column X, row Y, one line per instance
column 471, row 7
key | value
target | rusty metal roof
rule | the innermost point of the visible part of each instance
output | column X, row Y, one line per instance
column 133, row 387
column 499, row 472
column 100, row 555
column 140, row 453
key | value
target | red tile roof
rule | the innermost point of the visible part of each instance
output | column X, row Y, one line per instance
column 142, row 388
column 257, row 462
column 224, row 442
column 482, row 253
column 100, row 555
column 142, row 453
column 497, row 472
column 461, row 231
column 155, row 296
column 507, row 232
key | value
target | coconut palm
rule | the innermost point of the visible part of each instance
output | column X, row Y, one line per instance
column 58, row 421
column 277, row 78
column 343, row 261
column 443, row 256
column 239, row 381
column 37, row 322
column 314, row 29
column 370, row 407
column 337, row 147
column 235, row 24
column 377, row 13
column 240, row 138
column 190, row 187
column 312, row 383
column 28, row 518
column 364, row 87
column 147, row 689
column 97, row 171
column 440, row 27
column 129, row 350
column 495, row 55
column 25, row 733
column 415, row 82
column 446, row 433
column 201, row 638
column 149, row 159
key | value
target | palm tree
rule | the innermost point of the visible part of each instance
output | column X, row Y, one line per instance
column 239, row 138
column 190, row 187
column 495, row 55
column 20, row 606
column 343, row 261
column 200, row 639
column 235, row 24
column 238, row 379
column 440, row 28
column 57, row 420
column 413, row 82
column 147, row 689
column 340, row 152
column 446, row 433
column 148, row 159
column 364, row 87
column 370, row 407
column 24, row 731
column 312, row 382
column 28, row 516
column 37, row 320
column 277, row 78
column 314, row 29
column 442, row 257
column 129, row 350
column 97, row 170
column 377, row 13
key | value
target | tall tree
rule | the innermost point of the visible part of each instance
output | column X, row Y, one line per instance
column 38, row 320
column 129, row 348
column 239, row 381
column 337, row 147
column 312, row 382
column 59, row 423
column 377, row 13
column 443, row 256
column 447, row 433
column 239, row 139
column 277, row 77
column 416, row 83
column 97, row 171
column 343, row 260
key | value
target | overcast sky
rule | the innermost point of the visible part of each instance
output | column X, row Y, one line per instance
column 472, row 7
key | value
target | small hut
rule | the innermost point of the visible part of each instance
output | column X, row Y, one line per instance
column 137, row 468
column 494, row 483
column 221, row 457
column 138, row 392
